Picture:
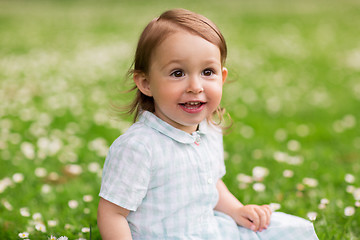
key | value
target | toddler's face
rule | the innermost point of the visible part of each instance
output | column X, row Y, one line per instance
column 185, row 79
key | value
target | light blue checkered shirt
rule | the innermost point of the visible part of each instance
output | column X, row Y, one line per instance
column 167, row 179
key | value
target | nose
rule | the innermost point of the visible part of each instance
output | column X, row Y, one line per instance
column 195, row 85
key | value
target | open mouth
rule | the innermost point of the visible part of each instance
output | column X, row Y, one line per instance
column 192, row 105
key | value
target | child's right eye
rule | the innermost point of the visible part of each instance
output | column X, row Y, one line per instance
column 177, row 73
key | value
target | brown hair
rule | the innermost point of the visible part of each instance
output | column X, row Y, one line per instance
column 154, row 33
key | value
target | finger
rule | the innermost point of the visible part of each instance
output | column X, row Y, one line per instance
column 263, row 218
column 247, row 223
column 268, row 208
column 251, row 215
column 268, row 212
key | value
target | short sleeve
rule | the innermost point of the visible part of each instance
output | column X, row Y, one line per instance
column 126, row 173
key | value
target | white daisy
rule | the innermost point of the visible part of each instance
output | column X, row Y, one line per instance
column 24, row 235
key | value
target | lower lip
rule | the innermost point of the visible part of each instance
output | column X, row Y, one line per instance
column 193, row 110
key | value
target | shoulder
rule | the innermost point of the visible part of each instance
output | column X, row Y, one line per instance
column 214, row 133
column 139, row 137
column 133, row 148
column 136, row 131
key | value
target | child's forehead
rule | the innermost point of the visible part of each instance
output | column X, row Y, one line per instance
column 184, row 37
column 185, row 46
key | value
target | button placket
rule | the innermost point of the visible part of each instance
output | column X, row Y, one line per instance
column 197, row 138
column 204, row 168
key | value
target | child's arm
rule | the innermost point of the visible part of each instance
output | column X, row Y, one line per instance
column 254, row 217
column 112, row 221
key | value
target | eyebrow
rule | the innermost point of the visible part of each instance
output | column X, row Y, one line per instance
column 179, row 60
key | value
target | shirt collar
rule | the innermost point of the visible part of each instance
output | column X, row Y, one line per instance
column 178, row 135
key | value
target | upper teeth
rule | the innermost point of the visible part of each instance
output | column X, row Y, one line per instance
column 193, row 103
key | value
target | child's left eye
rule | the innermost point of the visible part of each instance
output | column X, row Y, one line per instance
column 208, row 72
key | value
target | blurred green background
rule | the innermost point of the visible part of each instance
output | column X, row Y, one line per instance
column 293, row 93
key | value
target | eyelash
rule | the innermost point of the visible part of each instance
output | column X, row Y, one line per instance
column 206, row 70
column 174, row 73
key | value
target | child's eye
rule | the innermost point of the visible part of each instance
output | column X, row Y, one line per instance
column 177, row 73
column 208, row 72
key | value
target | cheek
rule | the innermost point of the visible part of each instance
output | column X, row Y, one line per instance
column 215, row 91
column 164, row 93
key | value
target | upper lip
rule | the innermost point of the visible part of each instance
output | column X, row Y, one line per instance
column 193, row 101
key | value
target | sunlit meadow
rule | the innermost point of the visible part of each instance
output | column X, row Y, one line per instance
column 293, row 94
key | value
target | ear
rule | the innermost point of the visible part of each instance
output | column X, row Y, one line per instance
column 224, row 74
column 142, row 83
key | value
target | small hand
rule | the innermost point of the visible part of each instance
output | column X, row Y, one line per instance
column 254, row 217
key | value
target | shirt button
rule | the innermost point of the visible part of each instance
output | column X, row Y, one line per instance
column 210, row 181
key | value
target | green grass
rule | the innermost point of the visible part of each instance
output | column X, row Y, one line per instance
column 293, row 90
